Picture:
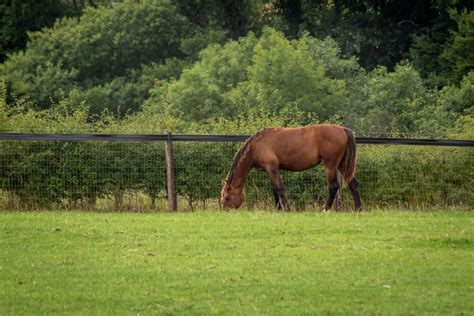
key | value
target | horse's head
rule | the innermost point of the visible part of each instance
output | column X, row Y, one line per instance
column 230, row 197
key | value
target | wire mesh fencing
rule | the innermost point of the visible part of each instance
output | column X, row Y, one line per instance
column 131, row 176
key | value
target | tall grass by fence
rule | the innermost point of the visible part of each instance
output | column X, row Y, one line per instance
column 128, row 172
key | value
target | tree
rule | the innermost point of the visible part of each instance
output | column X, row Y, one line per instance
column 285, row 72
column 270, row 72
column 17, row 18
column 203, row 90
column 292, row 12
column 458, row 55
column 398, row 103
column 237, row 17
column 458, row 98
column 377, row 32
column 102, row 52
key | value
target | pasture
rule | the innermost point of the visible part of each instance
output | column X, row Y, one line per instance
column 243, row 262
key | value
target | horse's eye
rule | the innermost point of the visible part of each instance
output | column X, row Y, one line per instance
column 227, row 198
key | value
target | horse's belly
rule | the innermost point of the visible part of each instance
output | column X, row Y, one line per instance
column 298, row 166
column 299, row 160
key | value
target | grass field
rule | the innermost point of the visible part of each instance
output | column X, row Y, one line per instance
column 237, row 263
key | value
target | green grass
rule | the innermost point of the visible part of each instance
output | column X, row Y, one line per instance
column 237, row 263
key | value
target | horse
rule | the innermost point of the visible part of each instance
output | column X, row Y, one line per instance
column 294, row 149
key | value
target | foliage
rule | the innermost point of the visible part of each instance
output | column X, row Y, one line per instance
column 118, row 41
column 270, row 72
column 464, row 128
column 398, row 103
column 246, row 123
column 226, row 67
column 285, row 72
column 238, row 17
column 442, row 53
column 17, row 18
column 377, row 32
column 458, row 99
column 458, row 55
column 158, row 57
column 201, row 90
column 3, row 104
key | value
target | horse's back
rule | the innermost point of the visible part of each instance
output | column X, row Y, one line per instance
column 299, row 148
column 311, row 136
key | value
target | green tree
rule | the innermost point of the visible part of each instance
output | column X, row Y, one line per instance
column 237, row 17
column 458, row 98
column 99, row 57
column 436, row 45
column 398, row 103
column 285, row 72
column 377, row 32
column 269, row 72
column 458, row 55
column 201, row 91
column 18, row 17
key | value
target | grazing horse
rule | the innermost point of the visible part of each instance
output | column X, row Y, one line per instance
column 295, row 149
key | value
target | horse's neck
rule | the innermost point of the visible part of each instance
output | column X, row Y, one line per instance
column 241, row 172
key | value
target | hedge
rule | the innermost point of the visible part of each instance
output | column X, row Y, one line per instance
column 132, row 175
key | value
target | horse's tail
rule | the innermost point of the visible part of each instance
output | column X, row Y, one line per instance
column 348, row 164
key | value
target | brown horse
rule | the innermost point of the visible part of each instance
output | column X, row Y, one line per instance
column 295, row 149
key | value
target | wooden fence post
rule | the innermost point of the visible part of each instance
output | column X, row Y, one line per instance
column 170, row 179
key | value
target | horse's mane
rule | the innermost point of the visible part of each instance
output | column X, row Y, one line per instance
column 242, row 153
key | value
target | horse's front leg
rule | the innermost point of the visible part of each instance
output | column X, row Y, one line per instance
column 278, row 190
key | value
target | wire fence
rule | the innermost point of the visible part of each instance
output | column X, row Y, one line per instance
column 128, row 173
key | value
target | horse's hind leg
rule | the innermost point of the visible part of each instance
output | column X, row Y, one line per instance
column 278, row 190
column 354, row 187
column 277, row 198
column 333, row 186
